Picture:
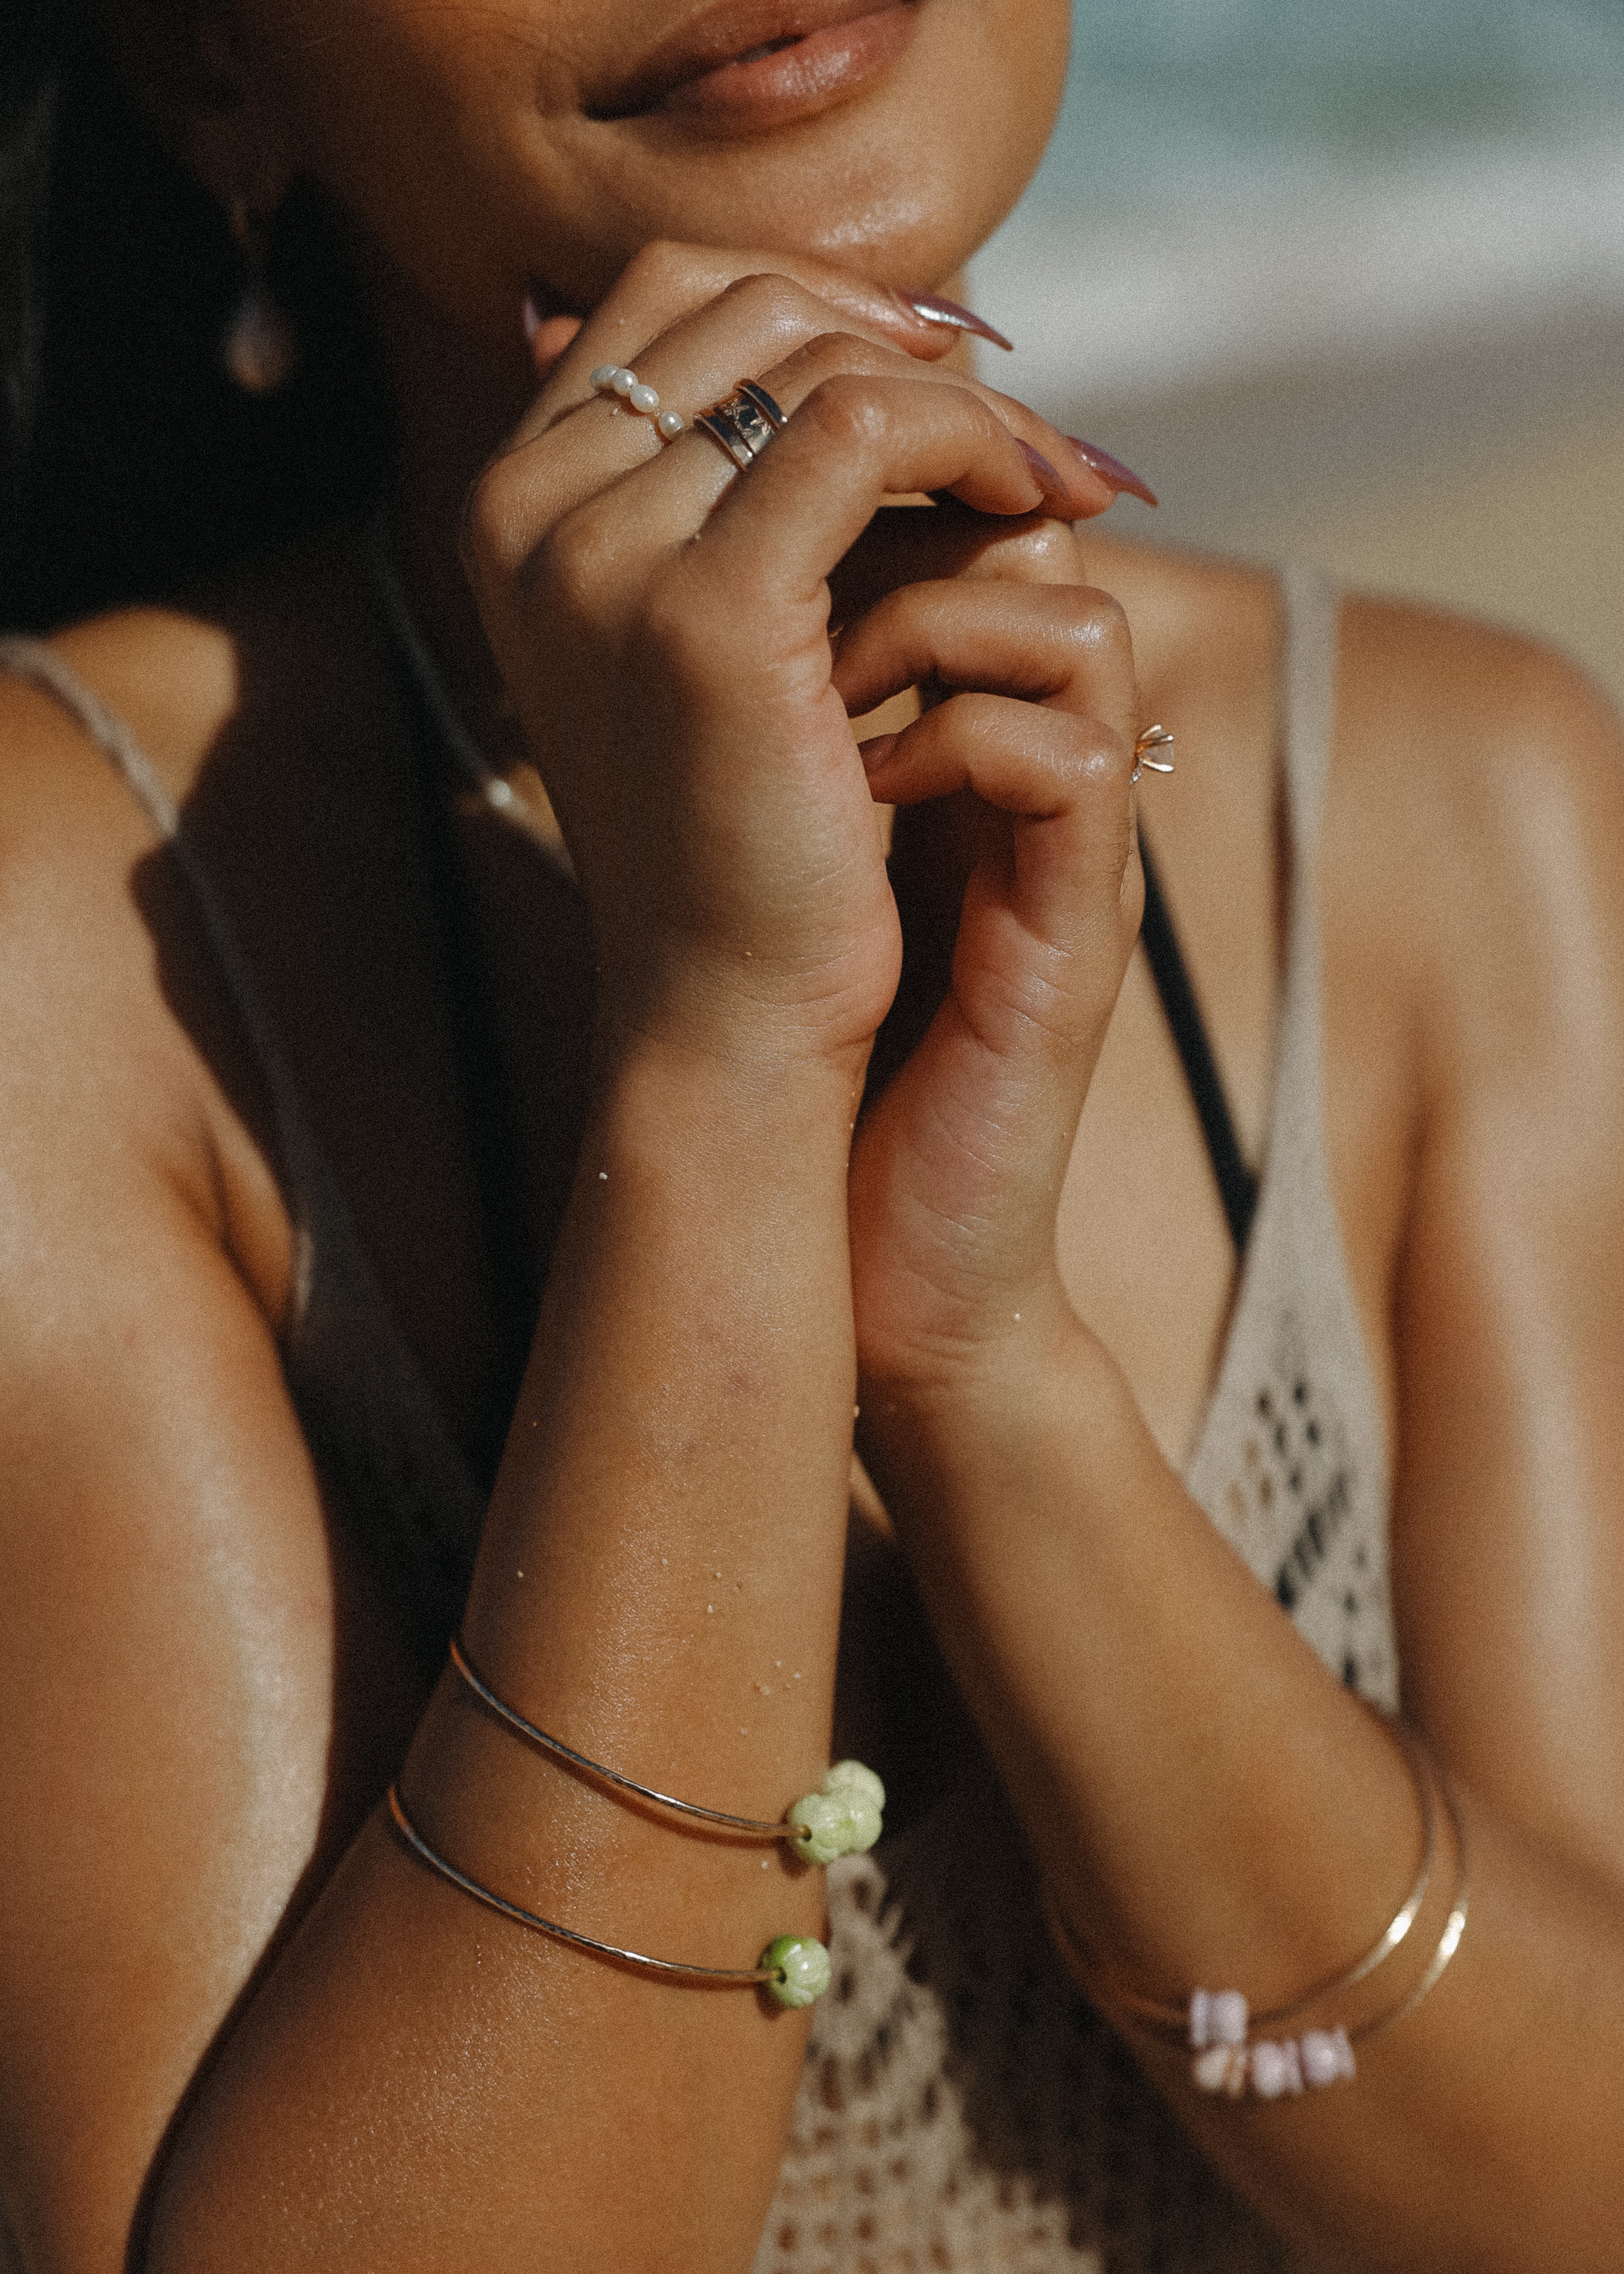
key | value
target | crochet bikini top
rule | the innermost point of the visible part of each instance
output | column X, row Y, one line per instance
column 963, row 2107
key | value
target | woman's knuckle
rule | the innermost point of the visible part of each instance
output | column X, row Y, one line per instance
column 660, row 266
column 1094, row 761
column 677, row 627
column 1047, row 552
column 575, row 563
column 846, row 353
column 850, row 408
column 826, row 356
column 1106, row 621
column 770, row 304
column 1113, row 757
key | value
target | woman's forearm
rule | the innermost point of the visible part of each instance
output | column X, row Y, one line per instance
column 659, row 1585
column 1210, row 1807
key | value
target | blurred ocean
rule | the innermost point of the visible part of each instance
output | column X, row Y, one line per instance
column 1237, row 181
column 1171, row 102
column 1345, row 279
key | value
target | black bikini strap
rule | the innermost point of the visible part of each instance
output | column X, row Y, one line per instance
column 1237, row 1188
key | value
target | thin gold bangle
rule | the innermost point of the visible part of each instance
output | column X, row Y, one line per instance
column 767, row 1976
column 1158, row 2018
column 1454, row 1925
column 482, row 1690
column 1291, row 2065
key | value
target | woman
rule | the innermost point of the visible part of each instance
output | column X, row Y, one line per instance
column 301, row 1106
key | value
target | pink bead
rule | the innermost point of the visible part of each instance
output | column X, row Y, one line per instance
column 1217, row 2017
column 1220, row 2068
column 1326, row 2056
column 1275, row 2068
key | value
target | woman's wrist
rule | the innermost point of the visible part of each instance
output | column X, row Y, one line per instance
column 746, row 1097
column 957, row 1430
column 1021, row 1359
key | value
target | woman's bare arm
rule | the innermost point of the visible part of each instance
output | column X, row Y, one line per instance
column 176, row 1752
column 1207, row 1802
column 411, row 2078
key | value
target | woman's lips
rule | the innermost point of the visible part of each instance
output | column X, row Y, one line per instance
column 769, row 81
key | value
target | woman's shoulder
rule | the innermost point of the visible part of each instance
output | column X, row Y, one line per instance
column 1468, row 708
column 165, row 678
column 1478, row 807
column 1472, row 685
column 1474, row 811
column 1451, row 732
column 105, row 1008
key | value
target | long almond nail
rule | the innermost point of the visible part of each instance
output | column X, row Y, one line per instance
column 1112, row 470
column 1049, row 478
column 931, row 308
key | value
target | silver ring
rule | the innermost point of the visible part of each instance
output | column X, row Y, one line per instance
column 742, row 426
column 1154, row 739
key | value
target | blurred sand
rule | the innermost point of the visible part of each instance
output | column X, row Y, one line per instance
column 1485, row 472
column 1531, row 533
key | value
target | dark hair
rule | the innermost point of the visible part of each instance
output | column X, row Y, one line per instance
column 130, row 467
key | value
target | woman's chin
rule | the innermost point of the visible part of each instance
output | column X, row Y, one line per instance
column 893, row 143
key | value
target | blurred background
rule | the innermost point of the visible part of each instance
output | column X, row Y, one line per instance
column 1344, row 280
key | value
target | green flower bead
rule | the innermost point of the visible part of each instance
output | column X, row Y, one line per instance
column 822, row 1817
column 844, row 1818
column 851, row 1776
column 801, row 1964
column 864, row 1824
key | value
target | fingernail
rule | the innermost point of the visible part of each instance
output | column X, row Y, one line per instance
column 1049, row 478
column 1112, row 470
column 931, row 308
column 529, row 316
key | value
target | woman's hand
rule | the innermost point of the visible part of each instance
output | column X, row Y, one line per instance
column 663, row 625
column 957, row 1170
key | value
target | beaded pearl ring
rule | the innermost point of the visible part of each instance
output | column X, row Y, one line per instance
column 614, row 378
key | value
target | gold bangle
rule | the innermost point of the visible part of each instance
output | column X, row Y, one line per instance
column 843, row 1818
column 1218, row 2029
column 1173, row 2022
column 793, row 1968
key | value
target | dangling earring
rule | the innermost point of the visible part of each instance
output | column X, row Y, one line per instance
column 258, row 348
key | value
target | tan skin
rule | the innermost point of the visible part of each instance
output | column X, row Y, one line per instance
column 203, row 1701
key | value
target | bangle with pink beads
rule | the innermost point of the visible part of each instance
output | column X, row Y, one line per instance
column 1229, row 2054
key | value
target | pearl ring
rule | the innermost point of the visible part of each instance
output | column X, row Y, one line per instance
column 614, row 378
column 740, row 426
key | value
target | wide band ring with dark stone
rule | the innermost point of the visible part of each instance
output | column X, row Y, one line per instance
column 742, row 426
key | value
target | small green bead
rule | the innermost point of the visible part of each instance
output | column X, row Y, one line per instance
column 800, row 1963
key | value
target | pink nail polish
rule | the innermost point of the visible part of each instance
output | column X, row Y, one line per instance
column 1051, row 480
column 931, row 308
column 1113, row 471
